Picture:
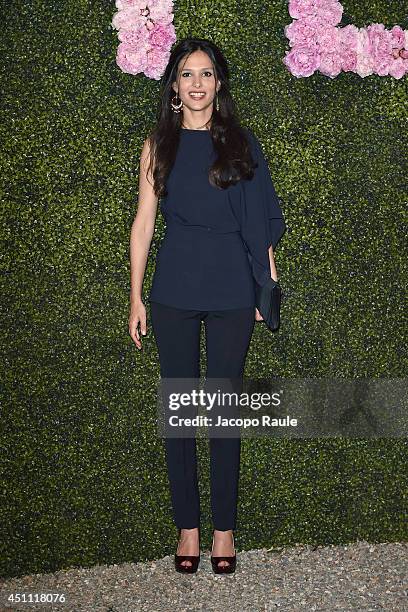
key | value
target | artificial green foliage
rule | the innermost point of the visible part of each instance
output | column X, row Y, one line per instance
column 83, row 471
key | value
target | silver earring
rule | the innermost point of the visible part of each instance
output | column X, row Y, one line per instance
column 176, row 107
column 217, row 106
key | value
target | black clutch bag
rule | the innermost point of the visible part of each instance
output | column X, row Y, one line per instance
column 268, row 300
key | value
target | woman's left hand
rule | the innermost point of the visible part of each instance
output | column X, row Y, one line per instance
column 258, row 316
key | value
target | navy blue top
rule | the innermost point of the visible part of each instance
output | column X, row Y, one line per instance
column 216, row 241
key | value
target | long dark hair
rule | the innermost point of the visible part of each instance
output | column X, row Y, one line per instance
column 233, row 155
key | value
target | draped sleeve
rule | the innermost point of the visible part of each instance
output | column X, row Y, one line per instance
column 261, row 220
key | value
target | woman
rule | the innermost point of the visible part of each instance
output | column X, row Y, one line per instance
column 223, row 220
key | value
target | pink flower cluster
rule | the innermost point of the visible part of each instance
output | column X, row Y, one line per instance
column 147, row 34
column 317, row 44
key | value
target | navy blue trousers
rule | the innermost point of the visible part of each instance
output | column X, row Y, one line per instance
column 177, row 334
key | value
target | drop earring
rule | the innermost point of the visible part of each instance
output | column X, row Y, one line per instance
column 176, row 107
column 217, row 106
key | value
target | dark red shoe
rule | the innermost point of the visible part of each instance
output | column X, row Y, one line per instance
column 186, row 569
column 224, row 569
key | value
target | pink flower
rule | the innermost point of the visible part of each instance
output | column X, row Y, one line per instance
column 398, row 68
column 127, row 19
column 157, row 61
column 162, row 36
column 135, row 37
column 299, row 9
column 329, row 11
column 348, row 48
column 348, row 37
column 398, row 37
column 364, row 66
column 161, row 10
column 130, row 59
column 330, row 64
column 301, row 31
column 328, row 39
column 302, row 61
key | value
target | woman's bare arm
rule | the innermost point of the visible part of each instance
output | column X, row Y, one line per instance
column 274, row 273
column 140, row 239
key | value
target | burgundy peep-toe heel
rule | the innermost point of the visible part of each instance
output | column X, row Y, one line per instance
column 224, row 569
column 186, row 569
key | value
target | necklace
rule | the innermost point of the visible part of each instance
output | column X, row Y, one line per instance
column 199, row 128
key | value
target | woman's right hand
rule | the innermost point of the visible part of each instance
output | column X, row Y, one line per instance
column 258, row 316
column 137, row 316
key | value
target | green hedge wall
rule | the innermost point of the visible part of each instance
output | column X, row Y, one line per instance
column 83, row 471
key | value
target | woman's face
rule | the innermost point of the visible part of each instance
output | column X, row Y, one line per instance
column 196, row 75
